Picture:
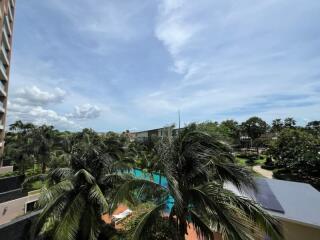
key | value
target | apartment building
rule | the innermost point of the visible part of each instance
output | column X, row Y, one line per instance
column 153, row 133
column 7, row 12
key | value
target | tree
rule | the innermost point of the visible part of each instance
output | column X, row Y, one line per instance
column 43, row 141
column 297, row 150
column 314, row 127
column 289, row 122
column 231, row 129
column 254, row 128
column 75, row 198
column 196, row 166
column 277, row 125
column 19, row 145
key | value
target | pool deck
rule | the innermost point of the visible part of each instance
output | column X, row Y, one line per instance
column 192, row 235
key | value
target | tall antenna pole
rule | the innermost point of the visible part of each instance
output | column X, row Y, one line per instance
column 179, row 119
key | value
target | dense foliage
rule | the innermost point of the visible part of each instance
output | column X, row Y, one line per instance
column 84, row 175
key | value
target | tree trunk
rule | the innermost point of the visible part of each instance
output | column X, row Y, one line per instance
column 44, row 167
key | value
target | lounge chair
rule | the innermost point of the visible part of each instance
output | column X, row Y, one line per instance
column 118, row 217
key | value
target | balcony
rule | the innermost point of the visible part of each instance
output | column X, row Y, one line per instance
column 10, row 13
column 5, row 39
column 3, row 73
column 4, row 56
column 7, row 24
column 2, row 110
column 2, row 90
column 12, row 3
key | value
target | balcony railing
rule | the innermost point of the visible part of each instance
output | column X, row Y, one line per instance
column 7, row 24
column 6, row 39
column 2, row 110
column 2, row 90
column 10, row 14
column 3, row 74
column 4, row 55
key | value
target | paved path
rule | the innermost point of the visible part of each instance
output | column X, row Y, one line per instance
column 263, row 172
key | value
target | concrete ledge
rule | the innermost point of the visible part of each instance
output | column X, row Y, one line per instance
column 6, row 169
column 19, row 228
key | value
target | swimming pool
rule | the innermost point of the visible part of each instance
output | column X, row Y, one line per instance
column 157, row 178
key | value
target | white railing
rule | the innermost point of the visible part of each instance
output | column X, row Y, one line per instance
column 10, row 13
column 4, row 55
column 7, row 23
column 3, row 73
column 6, row 39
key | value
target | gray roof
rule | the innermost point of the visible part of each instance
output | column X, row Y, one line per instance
column 299, row 202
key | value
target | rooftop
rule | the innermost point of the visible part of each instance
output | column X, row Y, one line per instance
column 292, row 201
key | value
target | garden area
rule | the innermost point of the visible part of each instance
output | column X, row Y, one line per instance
column 85, row 175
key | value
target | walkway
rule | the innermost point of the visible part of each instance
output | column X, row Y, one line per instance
column 263, row 172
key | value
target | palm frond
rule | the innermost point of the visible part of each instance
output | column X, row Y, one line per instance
column 39, row 177
column 211, row 201
column 51, row 193
column 144, row 223
column 237, row 175
column 202, row 228
column 125, row 190
column 68, row 226
column 45, row 214
column 60, row 174
column 253, row 211
column 82, row 173
column 97, row 197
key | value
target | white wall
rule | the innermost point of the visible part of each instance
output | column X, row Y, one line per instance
column 15, row 208
column 6, row 169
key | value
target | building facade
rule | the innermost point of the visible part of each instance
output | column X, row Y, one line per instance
column 7, row 12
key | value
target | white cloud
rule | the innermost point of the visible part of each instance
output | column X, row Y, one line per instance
column 35, row 96
column 85, row 111
column 39, row 115
column 232, row 56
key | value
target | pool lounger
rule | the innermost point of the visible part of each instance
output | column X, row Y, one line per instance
column 118, row 217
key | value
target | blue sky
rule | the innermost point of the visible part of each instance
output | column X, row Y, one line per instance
column 116, row 65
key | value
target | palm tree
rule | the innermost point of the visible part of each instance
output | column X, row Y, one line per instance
column 75, row 198
column 19, row 144
column 43, row 141
column 196, row 167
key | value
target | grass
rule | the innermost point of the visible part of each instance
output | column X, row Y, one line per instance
column 243, row 162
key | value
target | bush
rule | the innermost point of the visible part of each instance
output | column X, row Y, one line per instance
column 250, row 162
column 268, row 167
column 251, row 156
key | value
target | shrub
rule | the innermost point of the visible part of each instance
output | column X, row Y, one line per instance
column 268, row 167
column 253, row 156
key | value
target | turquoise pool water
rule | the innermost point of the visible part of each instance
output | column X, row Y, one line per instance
column 157, row 178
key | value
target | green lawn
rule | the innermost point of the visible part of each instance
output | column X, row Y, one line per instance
column 242, row 162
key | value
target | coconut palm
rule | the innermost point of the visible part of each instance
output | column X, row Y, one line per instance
column 43, row 141
column 75, row 198
column 197, row 167
column 19, row 145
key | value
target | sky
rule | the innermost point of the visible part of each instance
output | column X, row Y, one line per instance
column 117, row 65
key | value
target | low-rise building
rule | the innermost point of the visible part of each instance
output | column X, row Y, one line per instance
column 153, row 133
column 296, row 206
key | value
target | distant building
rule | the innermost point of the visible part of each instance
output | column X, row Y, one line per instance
column 7, row 12
column 153, row 133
